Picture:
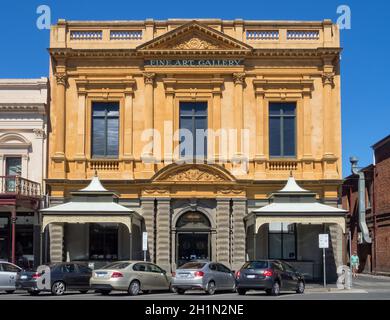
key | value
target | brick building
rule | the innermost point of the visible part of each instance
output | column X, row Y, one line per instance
column 374, row 257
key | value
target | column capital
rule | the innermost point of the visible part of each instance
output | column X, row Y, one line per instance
column 61, row 78
column 239, row 78
column 149, row 77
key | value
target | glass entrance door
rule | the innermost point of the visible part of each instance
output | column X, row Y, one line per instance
column 191, row 246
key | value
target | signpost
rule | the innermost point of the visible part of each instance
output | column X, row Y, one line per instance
column 144, row 243
column 323, row 243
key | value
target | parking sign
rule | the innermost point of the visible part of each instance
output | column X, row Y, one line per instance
column 323, row 241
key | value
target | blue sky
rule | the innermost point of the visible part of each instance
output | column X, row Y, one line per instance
column 365, row 59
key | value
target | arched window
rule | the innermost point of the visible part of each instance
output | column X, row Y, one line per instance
column 193, row 220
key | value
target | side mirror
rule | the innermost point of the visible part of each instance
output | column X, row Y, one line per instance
column 234, row 272
column 164, row 272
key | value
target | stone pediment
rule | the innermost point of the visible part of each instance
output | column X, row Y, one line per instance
column 189, row 173
column 194, row 36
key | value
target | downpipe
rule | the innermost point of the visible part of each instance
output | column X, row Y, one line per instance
column 362, row 200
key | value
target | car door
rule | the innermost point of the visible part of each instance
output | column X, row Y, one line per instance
column 160, row 278
column 9, row 273
column 286, row 277
column 215, row 275
column 227, row 276
column 3, row 277
column 69, row 275
column 82, row 276
column 292, row 274
column 143, row 275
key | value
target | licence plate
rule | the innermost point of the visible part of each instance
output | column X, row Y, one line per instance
column 183, row 275
column 250, row 276
column 23, row 277
column 100, row 275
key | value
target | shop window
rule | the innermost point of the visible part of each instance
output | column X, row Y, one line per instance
column 193, row 130
column 282, row 130
column 103, row 241
column 282, row 241
column 105, row 130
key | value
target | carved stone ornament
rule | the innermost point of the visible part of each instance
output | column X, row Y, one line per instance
column 239, row 78
column 328, row 78
column 61, row 78
column 195, row 43
column 155, row 190
column 39, row 133
column 195, row 175
column 231, row 191
column 149, row 77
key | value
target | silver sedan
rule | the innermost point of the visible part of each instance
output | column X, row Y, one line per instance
column 130, row 276
column 207, row 276
column 8, row 273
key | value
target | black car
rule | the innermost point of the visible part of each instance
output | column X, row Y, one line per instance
column 63, row 276
column 272, row 276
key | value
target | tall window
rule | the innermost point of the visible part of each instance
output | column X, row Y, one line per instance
column 282, row 241
column 193, row 126
column 13, row 167
column 105, row 130
column 103, row 241
column 282, row 129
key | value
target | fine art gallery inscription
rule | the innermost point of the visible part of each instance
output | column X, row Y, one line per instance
column 194, row 62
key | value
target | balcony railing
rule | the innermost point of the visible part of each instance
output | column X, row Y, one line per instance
column 15, row 185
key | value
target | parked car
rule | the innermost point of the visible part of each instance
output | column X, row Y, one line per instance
column 272, row 276
column 207, row 276
column 63, row 277
column 8, row 274
column 130, row 276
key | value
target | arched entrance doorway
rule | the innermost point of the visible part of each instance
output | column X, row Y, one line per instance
column 193, row 230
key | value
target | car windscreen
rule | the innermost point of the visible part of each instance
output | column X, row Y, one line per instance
column 256, row 265
column 193, row 265
column 117, row 265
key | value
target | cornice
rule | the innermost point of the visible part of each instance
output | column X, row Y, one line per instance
column 23, row 107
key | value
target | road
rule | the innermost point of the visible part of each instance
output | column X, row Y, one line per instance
column 364, row 288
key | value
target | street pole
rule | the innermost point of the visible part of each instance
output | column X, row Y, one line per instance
column 350, row 254
column 324, row 263
column 145, row 255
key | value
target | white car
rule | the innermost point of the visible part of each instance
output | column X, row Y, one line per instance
column 8, row 272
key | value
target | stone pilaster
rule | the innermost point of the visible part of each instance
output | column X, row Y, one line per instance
column 163, row 228
column 223, row 231
column 238, row 233
column 149, row 218
column 56, row 232
column 239, row 81
column 336, row 236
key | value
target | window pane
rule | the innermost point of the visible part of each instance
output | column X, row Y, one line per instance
column 274, row 109
column 186, row 137
column 288, row 109
column 186, row 108
column 201, row 138
column 288, row 246
column 289, row 136
column 14, row 166
column 274, row 137
column 275, row 245
column 113, row 137
column 98, row 137
column 201, row 109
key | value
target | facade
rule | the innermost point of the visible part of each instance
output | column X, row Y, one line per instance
column 374, row 256
column 268, row 94
column 23, row 154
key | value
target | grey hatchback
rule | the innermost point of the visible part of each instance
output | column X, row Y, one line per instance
column 207, row 276
column 272, row 276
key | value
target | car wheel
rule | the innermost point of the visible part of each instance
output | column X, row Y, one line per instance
column 134, row 288
column 275, row 289
column 210, row 288
column 301, row 287
column 83, row 291
column 58, row 288
column 180, row 291
column 33, row 293
column 10, row 291
column 241, row 292
column 105, row 292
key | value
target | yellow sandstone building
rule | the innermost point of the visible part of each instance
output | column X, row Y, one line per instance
column 236, row 106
